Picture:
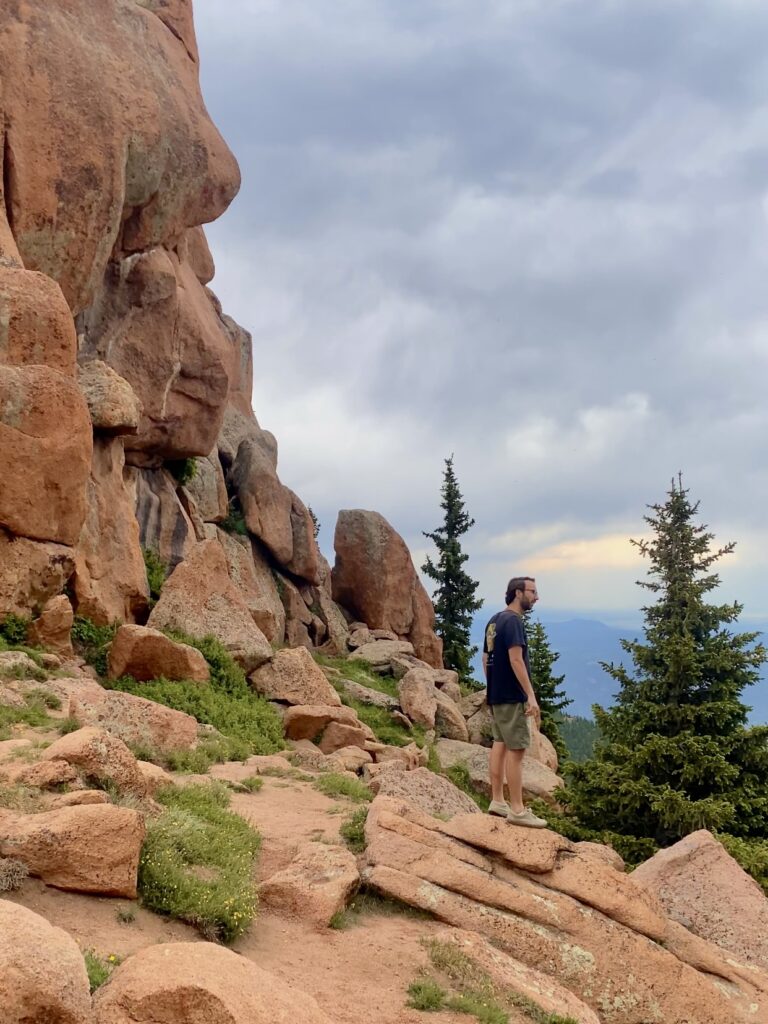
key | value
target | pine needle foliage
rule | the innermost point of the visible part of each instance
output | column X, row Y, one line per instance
column 454, row 596
column 676, row 753
column 547, row 686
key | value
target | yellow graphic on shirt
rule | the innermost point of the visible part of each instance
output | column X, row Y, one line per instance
column 490, row 637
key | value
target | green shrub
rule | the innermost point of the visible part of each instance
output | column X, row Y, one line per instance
column 13, row 630
column 157, row 570
column 183, row 471
column 426, row 995
column 125, row 915
column 47, row 698
column 197, row 862
column 92, row 641
column 752, row 855
column 336, row 784
column 385, row 728
column 352, row 830
column 360, row 672
column 234, row 521
column 253, row 783
column 67, row 725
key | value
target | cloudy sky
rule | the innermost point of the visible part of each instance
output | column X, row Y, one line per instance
column 531, row 233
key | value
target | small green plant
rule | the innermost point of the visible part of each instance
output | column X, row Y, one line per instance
column 425, row 994
column 67, row 725
column 13, row 874
column 183, row 471
column 13, row 630
column 339, row 921
column 352, row 830
column 752, row 855
column 384, row 727
column 335, row 784
column 125, row 915
column 197, row 862
column 92, row 641
column 209, row 751
column 99, row 968
column 253, row 783
column 157, row 570
column 433, row 760
column 459, row 775
column 235, row 520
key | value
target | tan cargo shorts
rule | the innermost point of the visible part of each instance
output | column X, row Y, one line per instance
column 509, row 725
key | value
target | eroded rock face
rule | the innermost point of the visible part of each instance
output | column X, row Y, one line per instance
column 45, row 454
column 135, row 720
column 53, row 628
column 199, row 599
column 573, row 917
column 112, row 402
column 153, row 164
column 36, row 326
column 433, row 794
column 110, row 579
column 223, row 988
column 99, row 755
column 375, row 579
column 42, row 971
column 31, row 573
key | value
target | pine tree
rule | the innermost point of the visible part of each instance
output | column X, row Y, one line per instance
column 547, row 686
column 454, row 597
column 675, row 752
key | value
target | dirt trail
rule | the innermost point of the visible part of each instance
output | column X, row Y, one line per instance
column 361, row 973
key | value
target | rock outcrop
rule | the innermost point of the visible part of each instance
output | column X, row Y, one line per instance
column 375, row 578
column 700, row 885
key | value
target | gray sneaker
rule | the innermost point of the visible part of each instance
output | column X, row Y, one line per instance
column 526, row 818
column 498, row 807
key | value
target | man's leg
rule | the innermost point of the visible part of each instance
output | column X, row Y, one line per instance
column 514, row 766
column 498, row 750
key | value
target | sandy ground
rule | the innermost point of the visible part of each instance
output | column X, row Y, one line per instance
column 361, row 973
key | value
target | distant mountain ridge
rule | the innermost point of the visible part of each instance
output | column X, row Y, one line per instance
column 583, row 643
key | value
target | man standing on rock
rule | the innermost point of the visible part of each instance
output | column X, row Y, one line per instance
column 511, row 700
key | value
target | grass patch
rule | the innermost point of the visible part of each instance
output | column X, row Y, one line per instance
column 67, row 725
column 367, row 902
column 360, row 672
column 17, row 797
column 13, row 874
column 335, row 784
column 459, row 775
column 33, row 713
column 99, row 968
column 352, row 831
column 125, row 915
column 34, row 672
column 92, row 641
column 247, row 721
column 385, row 728
column 475, row 993
column 209, row 751
column 253, row 783
column 45, row 697
column 197, row 862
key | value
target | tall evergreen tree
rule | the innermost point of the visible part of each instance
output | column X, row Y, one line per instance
column 454, row 596
column 675, row 752
column 548, row 687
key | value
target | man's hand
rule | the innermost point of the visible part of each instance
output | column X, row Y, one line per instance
column 532, row 708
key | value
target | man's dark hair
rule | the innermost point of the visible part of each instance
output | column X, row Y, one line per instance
column 515, row 584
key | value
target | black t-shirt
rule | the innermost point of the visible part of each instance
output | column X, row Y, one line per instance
column 506, row 629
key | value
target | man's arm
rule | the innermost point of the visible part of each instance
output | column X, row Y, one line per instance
column 485, row 666
column 517, row 662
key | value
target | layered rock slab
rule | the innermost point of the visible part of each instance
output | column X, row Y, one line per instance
column 486, row 876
